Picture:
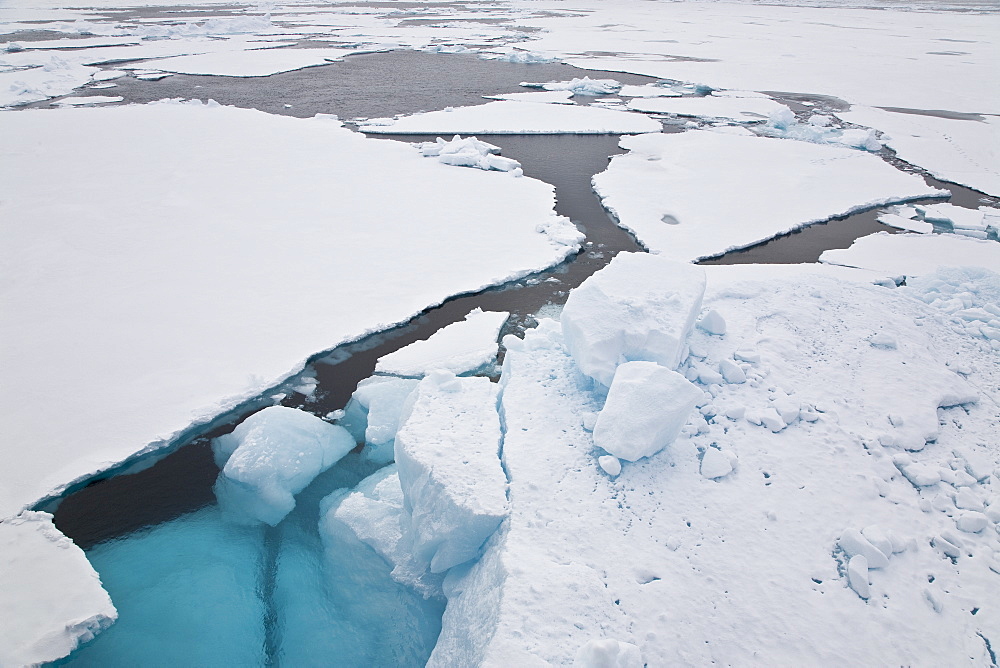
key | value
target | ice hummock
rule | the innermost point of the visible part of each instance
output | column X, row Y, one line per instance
column 447, row 453
column 580, row 86
column 639, row 307
column 272, row 456
column 460, row 347
column 739, row 109
column 372, row 415
column 468, row 152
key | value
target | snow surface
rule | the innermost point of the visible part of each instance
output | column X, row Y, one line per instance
column 50, row 594
column 743, row 109
column 915, row 254
column 272, row 456
column 510, row 117
column 667, row 189
column 447, row 454
column 550, row 97
column 89, row 99
column 273, row 218
column 960, row 151
column 253, row 63
column 458, row 348
column 749, row 566
column 469, row 152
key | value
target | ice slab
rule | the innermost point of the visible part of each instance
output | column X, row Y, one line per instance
column 459, row 347
column 468, row 152
column 509, row 117
column 87, row 100
column 742, row 109
column 373, row 413
column 447, row 451
column 666, row 189
column 639, row 307
column 52, row 76
column 247, row 190
column 646, row 408
column 373, row 513
column 648, row 90
column 915, row 254
column 51, row 599
column 550, row 97
column 272, row 456
column 251, row 63
column 961, row 151
column 580, row 86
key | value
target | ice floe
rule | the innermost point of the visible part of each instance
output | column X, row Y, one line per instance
column 743, row 109
column 251, row 63
column 582, row 86
column 961, row 151
column 551, row 97
column 373, row 414
column 87, row 100
column 666, row 189
column 51, row 597
column 227, row 193
column 459, row 347
column 468, row 152
column 915, row 254
column 510, row 117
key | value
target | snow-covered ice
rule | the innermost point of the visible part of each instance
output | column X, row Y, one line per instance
column 87, row 100
column 743, row 109
column 459, row 347
column 549, row 97
column 448, row 455
column 373, row 414
column 512, row 117
column 253, row 63
column 238, row 244
column 51, row 597
column 666, row 190
column 468, row 152
column 272, row 456
column 961, row 151
column 915, row 254
column 638, row 308
column 580, row 86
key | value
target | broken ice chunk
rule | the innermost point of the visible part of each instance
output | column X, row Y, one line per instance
column 883, row 340
column 610, row 464
column 857, row 576
column 646, row 407
column 972, row 522
column 732, row 372
column 854, row 543
column 608, row 653
column 372, row 414
column 919, row 475
column 715, row 464
column 713, row 323
column 270, row 457
column 639, row 307
column 454, row 489
column 468, row 152
column 584, row 86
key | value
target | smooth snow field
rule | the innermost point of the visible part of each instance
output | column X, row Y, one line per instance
column 398, row 334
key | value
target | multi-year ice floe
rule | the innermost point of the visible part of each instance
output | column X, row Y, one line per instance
column 448, row 455
column 510, row 117
column 297, row 199
column 468, row 152
column 915, row 254
column 961, row 151
column 272, row 456
column 459, row 347
column 666, row 189
column 51, row 598
column 742, row 109
column 581, row 86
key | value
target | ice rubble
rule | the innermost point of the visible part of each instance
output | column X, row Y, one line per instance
column 581, row 86
column 819, row 129
column 468, row 152
column 447, row 453
column 89, row 99
column 639, row 307
column 961, row 151
column 915, row 254
column 665, row 190
column 50, row 594
column 513, row 117
column 373, row 414
column 743, row 109
column 301, row 198
column 693, row 524
column 272, row 456
column 460, row 347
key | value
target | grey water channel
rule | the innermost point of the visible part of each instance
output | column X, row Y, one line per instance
column 155, row 503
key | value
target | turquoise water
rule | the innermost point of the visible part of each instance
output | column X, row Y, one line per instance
column 200, row 591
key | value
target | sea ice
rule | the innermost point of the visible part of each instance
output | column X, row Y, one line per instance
column 639, row 307
column 581, row 86
column 511, row 117
column 252, row 63
column 646, row 408
column 608, row 653
column 679, row 176
column 302, row 197
column 742, row 109
column 915, row 254
column 715, row 464
column 51, row 599
column 89, row 99
column 468, row 152
column 550, row 97
column 372, row 415
column 459, row 347
column 447, row 452
column 272, row 456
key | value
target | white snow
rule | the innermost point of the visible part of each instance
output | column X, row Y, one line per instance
column 743, row 109
column 549, row 97
column 252, row 63
column 272, row 456
column 51, row 597
column 667, row 189
column 238, row 244
column 961, row 151
column 468, row 152
column 715, row 464
column 84, row 101
column 638, row 308
column 648, row 90
column 608, row 653
column 580, row 86
column 447, row 453
column 646, row 408
column 915, row 254
column 459, row 347
column 510, row 117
